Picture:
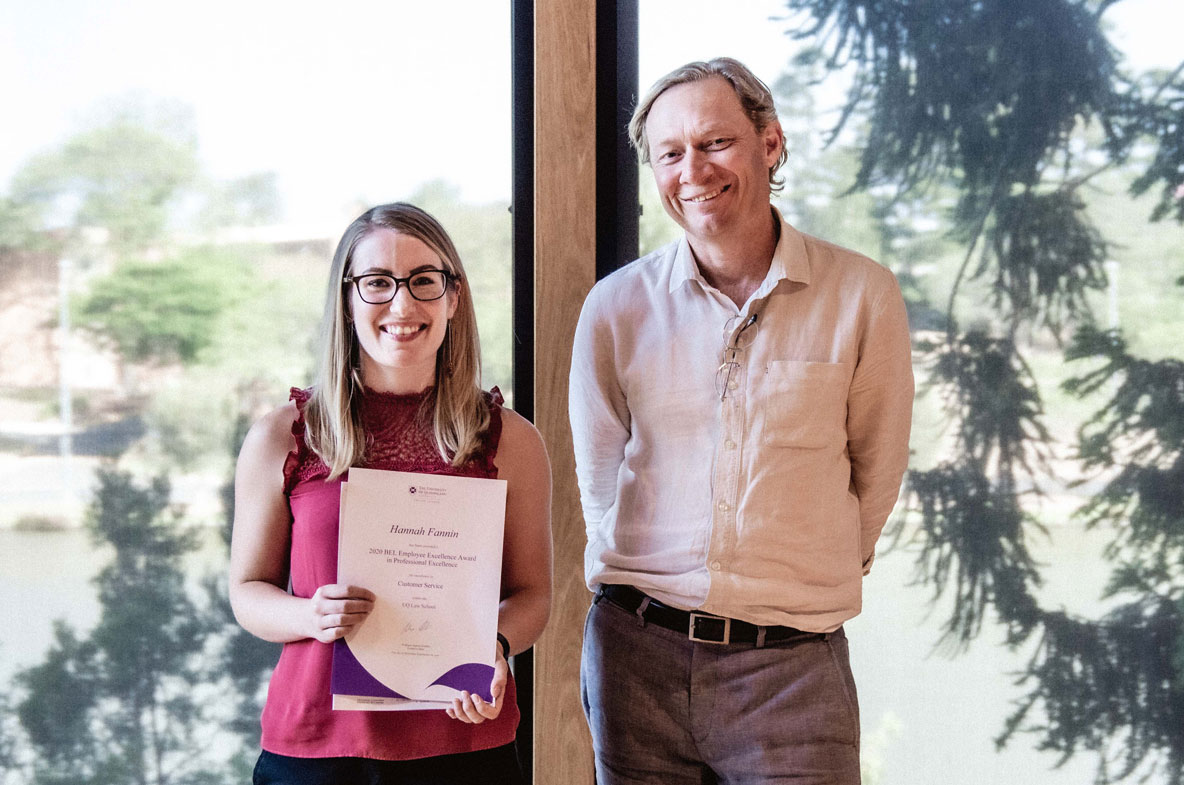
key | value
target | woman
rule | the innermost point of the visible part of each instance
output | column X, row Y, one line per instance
column 398, row 388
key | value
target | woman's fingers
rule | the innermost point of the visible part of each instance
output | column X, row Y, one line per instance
column 337, row 609
column 473, row 709
column 342, row 591
column 488, row 711
column 501, row 673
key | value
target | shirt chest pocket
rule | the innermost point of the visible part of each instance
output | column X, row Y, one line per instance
column 803, row 404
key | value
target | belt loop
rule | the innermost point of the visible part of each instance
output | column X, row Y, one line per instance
column 760, row 637
column 645, row 603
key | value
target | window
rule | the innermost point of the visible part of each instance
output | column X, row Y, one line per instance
column 172, row 196
column 931, row 711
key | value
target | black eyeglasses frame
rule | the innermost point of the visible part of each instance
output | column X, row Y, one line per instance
column 356, row 280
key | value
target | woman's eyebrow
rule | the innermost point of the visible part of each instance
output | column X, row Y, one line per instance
column 387, row 271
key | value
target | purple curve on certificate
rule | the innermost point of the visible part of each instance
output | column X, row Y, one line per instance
column 430, row 548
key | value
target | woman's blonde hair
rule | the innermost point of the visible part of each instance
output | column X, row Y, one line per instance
column 456, row 404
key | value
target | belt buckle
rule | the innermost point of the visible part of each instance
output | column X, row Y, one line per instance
column 724, row 625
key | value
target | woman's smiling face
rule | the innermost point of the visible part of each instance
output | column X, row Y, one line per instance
column 399, row 339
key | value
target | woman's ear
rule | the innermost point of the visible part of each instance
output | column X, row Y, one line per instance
column 454, row 297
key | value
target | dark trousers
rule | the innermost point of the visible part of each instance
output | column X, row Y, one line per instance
column 497, row 766
column 665, row 710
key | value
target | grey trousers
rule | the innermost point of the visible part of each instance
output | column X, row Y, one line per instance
column 664, row 709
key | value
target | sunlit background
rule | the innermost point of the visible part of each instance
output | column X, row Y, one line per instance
column 172, row 182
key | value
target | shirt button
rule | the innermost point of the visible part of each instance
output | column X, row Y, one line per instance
column 715, row 566
column 732, row 385
column 731, row 445
column 723, row 506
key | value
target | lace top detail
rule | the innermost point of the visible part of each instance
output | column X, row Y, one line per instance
column 399, row 438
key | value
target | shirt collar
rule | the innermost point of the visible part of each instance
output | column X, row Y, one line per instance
column 789, row 263
column 684, row 269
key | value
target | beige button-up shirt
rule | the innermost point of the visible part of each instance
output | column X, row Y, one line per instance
column 742, row 461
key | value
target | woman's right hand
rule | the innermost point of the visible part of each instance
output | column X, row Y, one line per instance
column 335, row 609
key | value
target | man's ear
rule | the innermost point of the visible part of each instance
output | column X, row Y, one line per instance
column 774, row 140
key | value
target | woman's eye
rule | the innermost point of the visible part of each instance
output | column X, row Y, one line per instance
column 422, row 280
column 378, row 282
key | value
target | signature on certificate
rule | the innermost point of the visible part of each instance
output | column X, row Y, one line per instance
column 423, row 626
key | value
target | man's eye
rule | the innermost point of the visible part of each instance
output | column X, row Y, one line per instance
column 718, row 144
column 669, row 155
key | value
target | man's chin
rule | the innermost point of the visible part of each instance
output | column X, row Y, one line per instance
column 707, row 227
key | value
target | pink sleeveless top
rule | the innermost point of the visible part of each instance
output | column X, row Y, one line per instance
column 298, row 719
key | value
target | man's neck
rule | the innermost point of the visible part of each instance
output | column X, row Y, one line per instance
column 738, row 263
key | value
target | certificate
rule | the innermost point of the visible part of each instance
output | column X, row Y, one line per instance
column 430, row 548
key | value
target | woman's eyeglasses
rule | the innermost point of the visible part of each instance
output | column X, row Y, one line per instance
column 379, row 288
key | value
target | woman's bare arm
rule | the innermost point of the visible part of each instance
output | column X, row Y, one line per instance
column 261, row 544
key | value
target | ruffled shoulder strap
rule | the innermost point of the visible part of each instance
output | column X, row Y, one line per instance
column 292, row 462
column 493, row 434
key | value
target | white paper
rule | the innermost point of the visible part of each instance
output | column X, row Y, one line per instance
column 361, row 703
column 429, row 546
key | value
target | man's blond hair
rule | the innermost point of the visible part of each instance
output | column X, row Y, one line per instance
column 755, row 99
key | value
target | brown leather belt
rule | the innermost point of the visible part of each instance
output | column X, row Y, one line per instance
column 698, row 626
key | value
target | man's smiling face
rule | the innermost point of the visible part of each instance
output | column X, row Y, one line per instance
column 710, row 164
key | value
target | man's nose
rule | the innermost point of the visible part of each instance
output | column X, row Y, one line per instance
column 694, row 166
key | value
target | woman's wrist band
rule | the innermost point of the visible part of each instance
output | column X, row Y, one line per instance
column 505, row 645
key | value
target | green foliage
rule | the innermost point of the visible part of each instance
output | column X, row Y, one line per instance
column 1107, row 686
column 1158, row 117
column 8, row 740
column 61, row 693
column 184, row 428
column 897, row 229
column 816, row 197
column 245, row 659
column 252, row 200
column 971, row 509
column 246, row 663
column 122, row 173
column 989, row 101
column 483, row 235
column 973, row 547
column 19, row 224
column 1137, row 440
column 995, row 401
column 1049, row 256
column 117, row 705
column 988, row 110
column 1004, row 87
column 1117, row 686
column 164, row 312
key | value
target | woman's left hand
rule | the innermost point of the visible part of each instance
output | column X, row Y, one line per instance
column 473, row 708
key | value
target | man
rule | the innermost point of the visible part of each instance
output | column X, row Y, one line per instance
column 740, row 406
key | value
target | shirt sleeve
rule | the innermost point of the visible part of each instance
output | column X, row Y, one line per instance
column 879, row 414
column 597, row 407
